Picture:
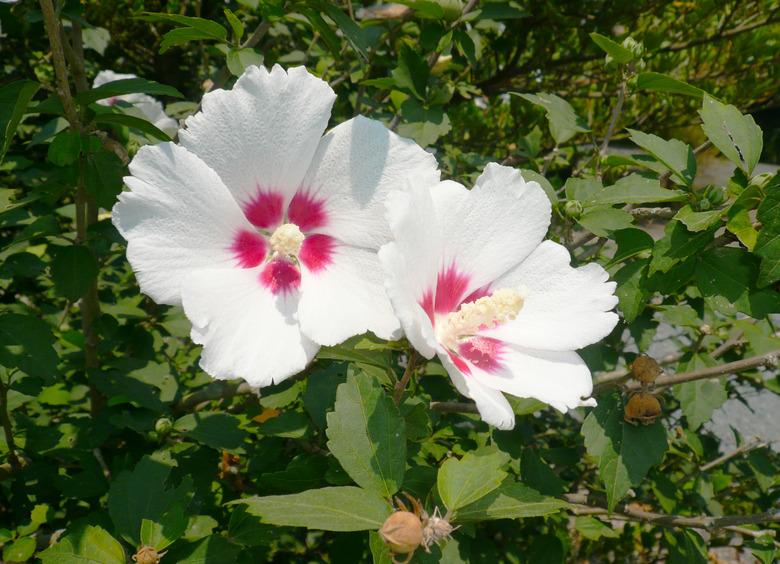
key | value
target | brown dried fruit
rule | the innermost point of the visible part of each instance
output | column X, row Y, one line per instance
column 147, row 555
column 402, row 532
column 645, row 369
column 642, row 408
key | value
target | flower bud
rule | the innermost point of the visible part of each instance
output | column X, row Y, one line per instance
column 716, row 195
column 645, row 369
column 642, row 408
column 163, row 426
column 573, row 209
column 705, row 329
column 402, row 532
column 146, row 555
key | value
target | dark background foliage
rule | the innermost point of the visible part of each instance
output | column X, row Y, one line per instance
column 113, row 438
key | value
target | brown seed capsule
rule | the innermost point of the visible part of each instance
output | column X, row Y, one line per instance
column 645, row 369
column 642, row 408
column 402, row 532
column 147, row 555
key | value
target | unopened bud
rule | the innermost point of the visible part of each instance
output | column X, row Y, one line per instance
column 645, row 369
column 163, row 426
column 705, row 329
column 642, row 408
column 573, row 209
column 402, row 532
column 147, row 555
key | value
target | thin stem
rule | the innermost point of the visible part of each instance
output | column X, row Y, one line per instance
column 400, row 386
column 52, row 25
column 614, row 118
column 5, row 420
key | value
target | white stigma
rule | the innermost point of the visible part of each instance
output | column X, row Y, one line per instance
column 485, row 313
column 287, row 240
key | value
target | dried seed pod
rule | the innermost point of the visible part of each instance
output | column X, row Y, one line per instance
column 402, row 532
column 147, row 555
column 436, row 529
column 645, row 369
column 642, row 408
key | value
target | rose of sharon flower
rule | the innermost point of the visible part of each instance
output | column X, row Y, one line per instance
column 144, row 106
column 265, row 230
column 472, row 282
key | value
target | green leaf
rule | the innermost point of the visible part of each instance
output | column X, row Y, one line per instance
column 142, row 494
column 20, row 550
column 168, row 530
column 604, row 220
column 510, row 501
column 344, row 508
column 320, row 394
column 763, row 549
column 636, row 189
column 182, row 36
column 239, row 59
column 103, row 175
column 464, row 481
column 209, row 27
column 582, row 189
column 215, row 429
column 134, row 122
column 214, row 549
column 768, row 240
column 87, row 545
column 619, row 54
column 700, row 398
column 367, row 435
column 698, row 221
column 330, row 38
column 593, row 529
column 536, row 473
column 677, row 244
column 685, row 547
column 424, row 125
column 631, row 291
column 675, row 155
column 352, row 31
column 563, row 121
column 64, row 148
column 658, row 82
column 14, row 98
column 73, row 270
column 235, row 24
column 736, row 135
column 630, row 242
column 533, row 176
column 412, row 72
column 126, row 86
column 624, row 452
column 725, row 275
column 26, row 343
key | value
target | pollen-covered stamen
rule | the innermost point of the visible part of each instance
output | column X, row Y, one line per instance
column 287, row 240
column 487, row 312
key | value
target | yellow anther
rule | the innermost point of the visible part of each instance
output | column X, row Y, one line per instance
column 485, row 313
column 287, row 240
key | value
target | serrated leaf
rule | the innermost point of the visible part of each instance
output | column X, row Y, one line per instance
column 624, row 452
column 170, row 527
column 21, row 550
column 725, row 275
column 619, row 54
column 636, row 189
column 593, row 529
column 464, row 481
column 181, row 36
column 510, row 501
column 698, row 221
column 215, row 429
column 27, row 343
column 768, row 240
column 700, row 398
column 88, row 545
column 659, row 82
column 14, row 99
column 412, row 72
column 126, row 86
column 73, row 270
column 134, row 122
column 564, row 122
column 631, row 291
column 344, row 508
column 235, row 24
column 675, row 155
column 736, row 135
column 533, row 176
column 630, row 242
column 352, row 31
column 103, row 176
column 676, row 245
column 214, row 549
column 603, row 220
column 64, row 148
column 239, row 59
column 367, row 435
column 210, row 28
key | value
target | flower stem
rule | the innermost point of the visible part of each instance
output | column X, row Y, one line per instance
column 400, row 386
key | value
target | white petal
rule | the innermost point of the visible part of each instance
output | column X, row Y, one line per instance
column 558, row 378
column 262, row 133
column 500, row 222
column 106, row 76
column 346, row 298
column 491, row 404
column 356, row 165
column 178, row 217
column 565, row 308
column 246, row 332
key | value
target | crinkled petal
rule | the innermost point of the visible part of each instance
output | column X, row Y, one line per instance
column 261, row 135
column 565, row 308
column 491, row 403
column 558, row 378
column 345, row 297
column 178, row 217
column 245, row 330
column 356, row 165
column 496, row 226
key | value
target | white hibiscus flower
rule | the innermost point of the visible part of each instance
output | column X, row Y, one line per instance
column 144, row 106
column 473, row 282
column 264, row 230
